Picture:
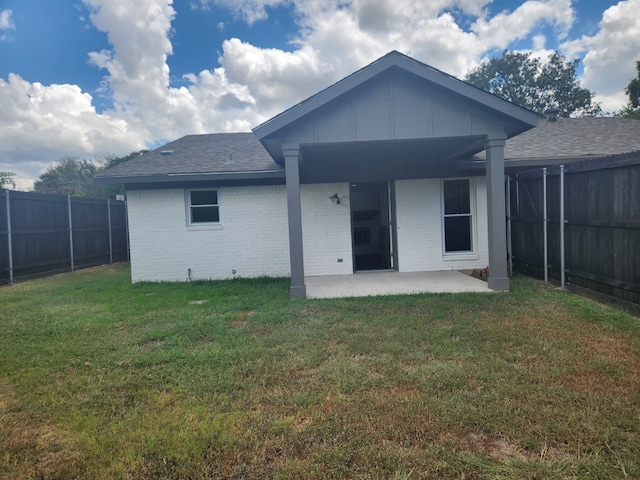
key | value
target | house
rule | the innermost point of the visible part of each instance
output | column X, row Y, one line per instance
column 399, row 166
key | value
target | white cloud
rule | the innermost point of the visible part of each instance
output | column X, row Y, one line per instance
column 334, row 38
column 40, row 122
column 5, row 20
column 250, row 11
column 609, row 63
column 6, row 23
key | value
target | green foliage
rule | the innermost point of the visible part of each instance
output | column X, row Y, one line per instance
column 6, row 178
column 69, row 176
column 632, row 110
column 527, row 81
column 74, row 176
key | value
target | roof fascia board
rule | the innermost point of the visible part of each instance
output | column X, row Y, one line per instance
column 523, row 162
column 190, row 177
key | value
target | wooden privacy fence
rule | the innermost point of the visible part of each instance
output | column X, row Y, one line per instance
column 42, row 233
column 579, row 224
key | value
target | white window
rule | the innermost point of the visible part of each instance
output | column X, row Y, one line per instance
column 457, row 206
column 203, row 207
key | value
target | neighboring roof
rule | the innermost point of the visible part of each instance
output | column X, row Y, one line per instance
column 522, row 119
column 198, row 157
column 571, row 139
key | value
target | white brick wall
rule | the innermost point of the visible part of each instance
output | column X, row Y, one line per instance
column 252, row 237
column 326, row 230
column 419, row 224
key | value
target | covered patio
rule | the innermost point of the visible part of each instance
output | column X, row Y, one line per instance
column 402, row 123
column 367, row 284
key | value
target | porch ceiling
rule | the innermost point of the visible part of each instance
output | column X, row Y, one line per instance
column 386, row 159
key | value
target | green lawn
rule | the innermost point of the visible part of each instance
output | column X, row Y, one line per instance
column 103, row 379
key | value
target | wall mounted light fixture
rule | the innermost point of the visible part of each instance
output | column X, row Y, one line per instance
column 336, row 197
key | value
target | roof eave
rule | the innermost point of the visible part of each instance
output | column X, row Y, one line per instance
column 532, row 162
column 189, row 177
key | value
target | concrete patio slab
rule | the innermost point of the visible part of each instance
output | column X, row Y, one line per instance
column 364, row 284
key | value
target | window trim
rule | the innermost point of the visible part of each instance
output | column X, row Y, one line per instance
column 202, row 225
column 463, row 254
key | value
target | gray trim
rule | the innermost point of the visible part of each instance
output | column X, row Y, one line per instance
column 394, row 230
column 496, row 204
column 204, row 184
column 513, row 164
column 191, row 177
column 294, row 210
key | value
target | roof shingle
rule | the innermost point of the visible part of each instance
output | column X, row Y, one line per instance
column 574, row 138
column 197, row 154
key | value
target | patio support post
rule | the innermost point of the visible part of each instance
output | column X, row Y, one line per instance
column 498, row 276
column 292, row 175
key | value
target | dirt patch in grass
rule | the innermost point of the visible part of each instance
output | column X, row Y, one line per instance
column 240, row 320
column 35, row 448
column 607, row 366
column 152, row 343
column 503, row 449
column 499, row 449
column 609, row 346
column 201, row 342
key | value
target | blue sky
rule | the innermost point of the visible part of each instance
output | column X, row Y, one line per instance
column 89, row 78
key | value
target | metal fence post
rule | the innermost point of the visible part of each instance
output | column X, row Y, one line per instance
column 9, row 244
column 562, row 270
column 544, row 225
column 110, row 239
column 126, row 227
column 509, row 246
column 70, row 232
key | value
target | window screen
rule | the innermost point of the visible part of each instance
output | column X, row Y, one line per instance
column 203, row 206
column 457, row 216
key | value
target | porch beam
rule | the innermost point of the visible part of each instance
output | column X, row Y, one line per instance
column 292, row 174
column 498, row 276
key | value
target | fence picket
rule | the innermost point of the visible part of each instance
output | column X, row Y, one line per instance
column 52, row 233
column 596, row 210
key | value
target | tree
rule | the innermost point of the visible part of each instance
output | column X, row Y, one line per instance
column 6, row 178
column 74, row 176
column 527, row 81
column 632, row 110
column 111, row 161
column 68, row 176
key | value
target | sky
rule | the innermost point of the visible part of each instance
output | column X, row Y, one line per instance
column 97, row 78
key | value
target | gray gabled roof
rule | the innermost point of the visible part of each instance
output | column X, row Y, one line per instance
column 198, row 157
column 522, row 119
column 570, row 139
column 235, row 156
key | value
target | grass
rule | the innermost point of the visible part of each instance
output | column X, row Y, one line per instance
column 102, row 379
